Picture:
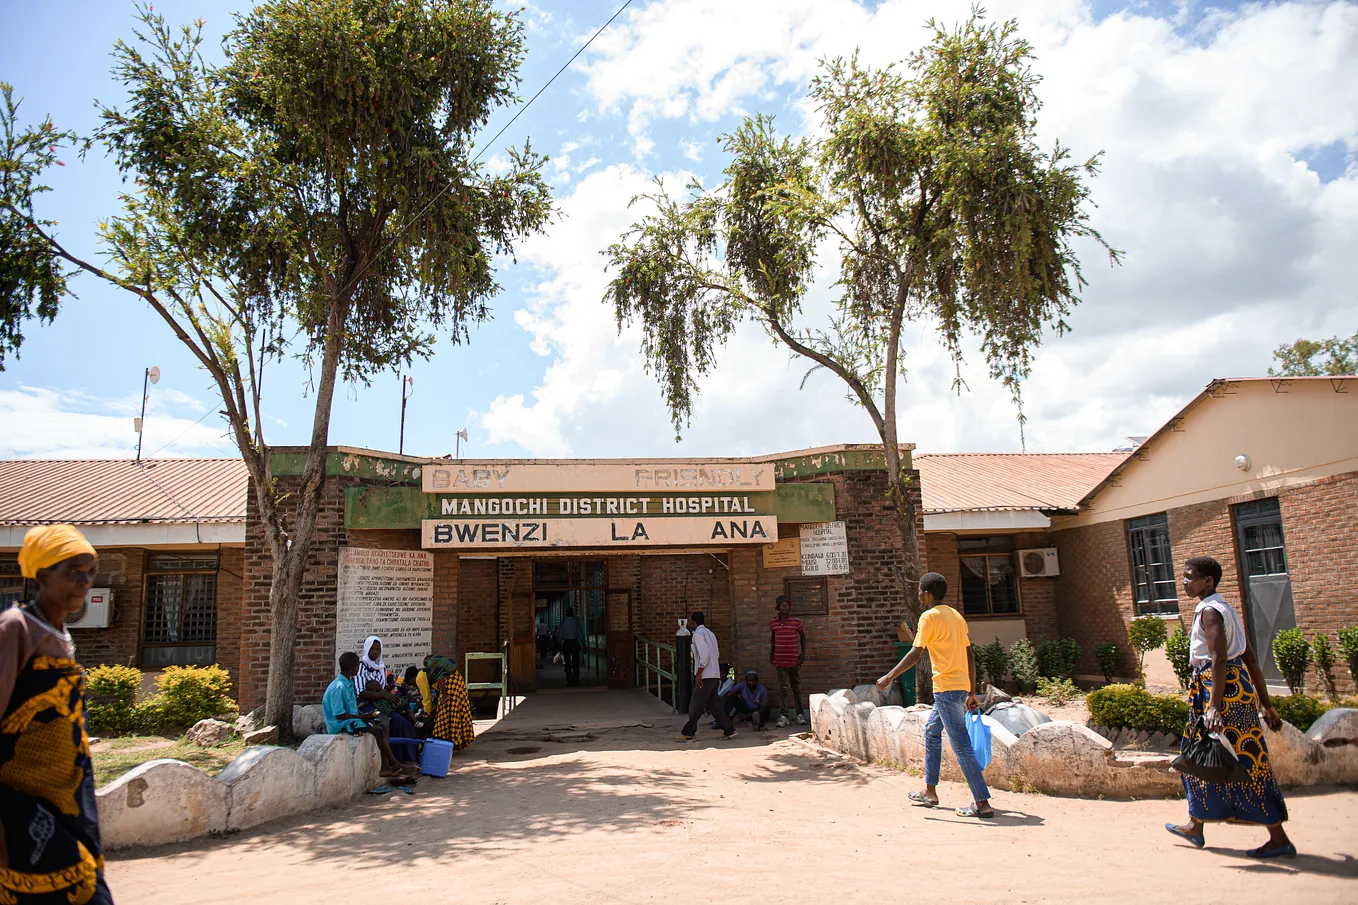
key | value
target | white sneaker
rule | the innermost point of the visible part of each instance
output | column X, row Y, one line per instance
column 782, row 722
column 801, row 720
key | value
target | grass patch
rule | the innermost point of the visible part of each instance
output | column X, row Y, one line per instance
column 115, row 756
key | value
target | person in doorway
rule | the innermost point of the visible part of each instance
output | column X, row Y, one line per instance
column 1227, row 693
column 340, row 706
column 943, row 633
column 50, row 849
column 572, row 636
column 543, row 642
column 706, row 682
column 787, row 652
column 749, row 698
column 452, row 708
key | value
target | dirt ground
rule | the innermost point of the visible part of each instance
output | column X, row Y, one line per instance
column 552, row 806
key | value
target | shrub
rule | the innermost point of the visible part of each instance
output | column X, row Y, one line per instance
column 1048, row 659
column 191, row 693
column 119, row 683
column 993, row 660
column 1177, row 648
column 1322, row 654
column 1348, row 649
column 1293, row 655
column 1301, row 710
column 1023, row 664
column 116, row 718
column 1146, row 634
column 1118, row 706
column 1109, row 657
column 1057, row 691
column 1070, row 657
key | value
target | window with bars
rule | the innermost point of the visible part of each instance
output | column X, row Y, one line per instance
column 1152, row 566
column 181, row 600
column 1261, row 537
column 14, row 588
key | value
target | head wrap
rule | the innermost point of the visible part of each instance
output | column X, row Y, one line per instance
column 47, row 545
column 367, row 649
column 437, row 667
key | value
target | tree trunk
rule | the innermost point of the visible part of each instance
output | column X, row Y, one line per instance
column 290, row 555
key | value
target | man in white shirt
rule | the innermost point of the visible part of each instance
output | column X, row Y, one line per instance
column 706, row 681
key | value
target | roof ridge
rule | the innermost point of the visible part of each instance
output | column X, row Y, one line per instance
column 1111, row 452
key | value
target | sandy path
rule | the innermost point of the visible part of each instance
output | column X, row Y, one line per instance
column 628, row 818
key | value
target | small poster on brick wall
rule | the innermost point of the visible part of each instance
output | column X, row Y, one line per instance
column 388, row 593
column 825, row 549
column 785, row 554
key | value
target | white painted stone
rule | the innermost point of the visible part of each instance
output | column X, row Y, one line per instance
column 814, row 705
column 365, row 761
column 882, row 731
column 161, row 801
column 1337, row 734
column 308, row 720
column 333, row 764
column 1295, row 757
column 267, row 783
column 870, row 693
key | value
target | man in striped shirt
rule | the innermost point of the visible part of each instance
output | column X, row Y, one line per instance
column 787, row 651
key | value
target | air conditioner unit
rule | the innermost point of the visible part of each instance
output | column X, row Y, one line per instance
column 96, row 612
column 1042, row 563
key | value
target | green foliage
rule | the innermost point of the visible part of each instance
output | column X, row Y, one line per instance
column 1109, row 657
column 929, row 184
column 1023, row 664
column 1146, row 634
column 1057, row 691
column 1301, row 710
column 1116, row 706
column 117, row 718
column 993, row 661
column 191, row 693
column 1337, row 357
column 1057, row 659
column 120, row 683
column 1178, row 648
column 1293, row 656
column 1322, row 655
column 1348, row 649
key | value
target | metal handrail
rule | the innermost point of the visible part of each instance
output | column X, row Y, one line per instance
column 506, row 702
column 648, row 667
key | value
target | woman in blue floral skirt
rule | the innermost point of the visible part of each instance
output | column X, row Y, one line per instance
column 1227, row 692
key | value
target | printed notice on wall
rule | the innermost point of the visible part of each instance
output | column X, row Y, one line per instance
column 825, row 549
column 388, row 593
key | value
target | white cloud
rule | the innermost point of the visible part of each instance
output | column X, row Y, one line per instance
column 45, row 423
column 693, row 150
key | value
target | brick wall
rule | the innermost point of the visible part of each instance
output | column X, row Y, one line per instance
column 1037, row 596
column 1094, row 591
column 230, row 575
column 121, row 569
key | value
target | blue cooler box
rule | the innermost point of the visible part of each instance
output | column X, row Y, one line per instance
column 437, row 756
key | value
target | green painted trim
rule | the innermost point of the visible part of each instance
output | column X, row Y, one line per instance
column 370, row 508
column 353, row 465
column 831, row 462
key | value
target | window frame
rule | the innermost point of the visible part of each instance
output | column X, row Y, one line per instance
column 155, row 571
column 1138, row 533
column 988, row 553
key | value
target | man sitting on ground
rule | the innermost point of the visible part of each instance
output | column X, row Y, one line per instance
column 340, row 705
column 749, row 698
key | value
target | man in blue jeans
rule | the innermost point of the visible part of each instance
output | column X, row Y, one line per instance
column 943, row 633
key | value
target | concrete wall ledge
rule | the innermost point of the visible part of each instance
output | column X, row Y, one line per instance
column 1066, row 758
column 170, row 801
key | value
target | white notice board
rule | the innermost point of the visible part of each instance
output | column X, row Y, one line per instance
column 388, row 593
column 825, row 549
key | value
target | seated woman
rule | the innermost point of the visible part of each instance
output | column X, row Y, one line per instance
column 387, row 707
column 452, row 708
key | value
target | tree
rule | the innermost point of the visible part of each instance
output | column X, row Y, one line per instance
column 1146, row 634
column 939, row 203
column 1338, row 358
column 316, row 192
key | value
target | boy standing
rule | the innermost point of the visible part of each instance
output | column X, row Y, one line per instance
column 943, row 633
column 787, row 651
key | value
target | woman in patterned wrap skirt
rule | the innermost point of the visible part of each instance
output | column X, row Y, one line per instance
column 1227, row 692
column 452, row 706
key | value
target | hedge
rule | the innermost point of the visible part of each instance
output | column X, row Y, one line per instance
column 1118, row 706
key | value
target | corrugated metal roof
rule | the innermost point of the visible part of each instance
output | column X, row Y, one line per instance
column 119, row 491
column 965, row 482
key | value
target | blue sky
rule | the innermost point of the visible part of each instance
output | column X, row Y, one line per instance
column 1229, row 135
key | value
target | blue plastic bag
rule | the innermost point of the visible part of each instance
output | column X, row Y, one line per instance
column 979, row 733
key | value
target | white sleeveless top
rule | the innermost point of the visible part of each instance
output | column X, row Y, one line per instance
column 1199, row 653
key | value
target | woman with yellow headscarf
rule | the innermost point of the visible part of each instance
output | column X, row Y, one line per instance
column 49, row 849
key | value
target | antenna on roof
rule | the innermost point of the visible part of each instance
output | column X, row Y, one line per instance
column 152, row 376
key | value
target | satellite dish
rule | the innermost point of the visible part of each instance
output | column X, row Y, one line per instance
column 153, row 373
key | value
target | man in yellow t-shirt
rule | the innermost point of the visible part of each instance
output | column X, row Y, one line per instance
column 943, row 633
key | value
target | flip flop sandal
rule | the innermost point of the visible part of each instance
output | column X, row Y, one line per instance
column 381, row 790
column 683, row 738
column 406, row 789
column 1197, row 841
column 919, row 799
column 970, row 811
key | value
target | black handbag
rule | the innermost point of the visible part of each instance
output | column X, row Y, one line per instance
column 1207, row 759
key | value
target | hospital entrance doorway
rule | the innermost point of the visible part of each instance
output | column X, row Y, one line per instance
column 576, row 586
